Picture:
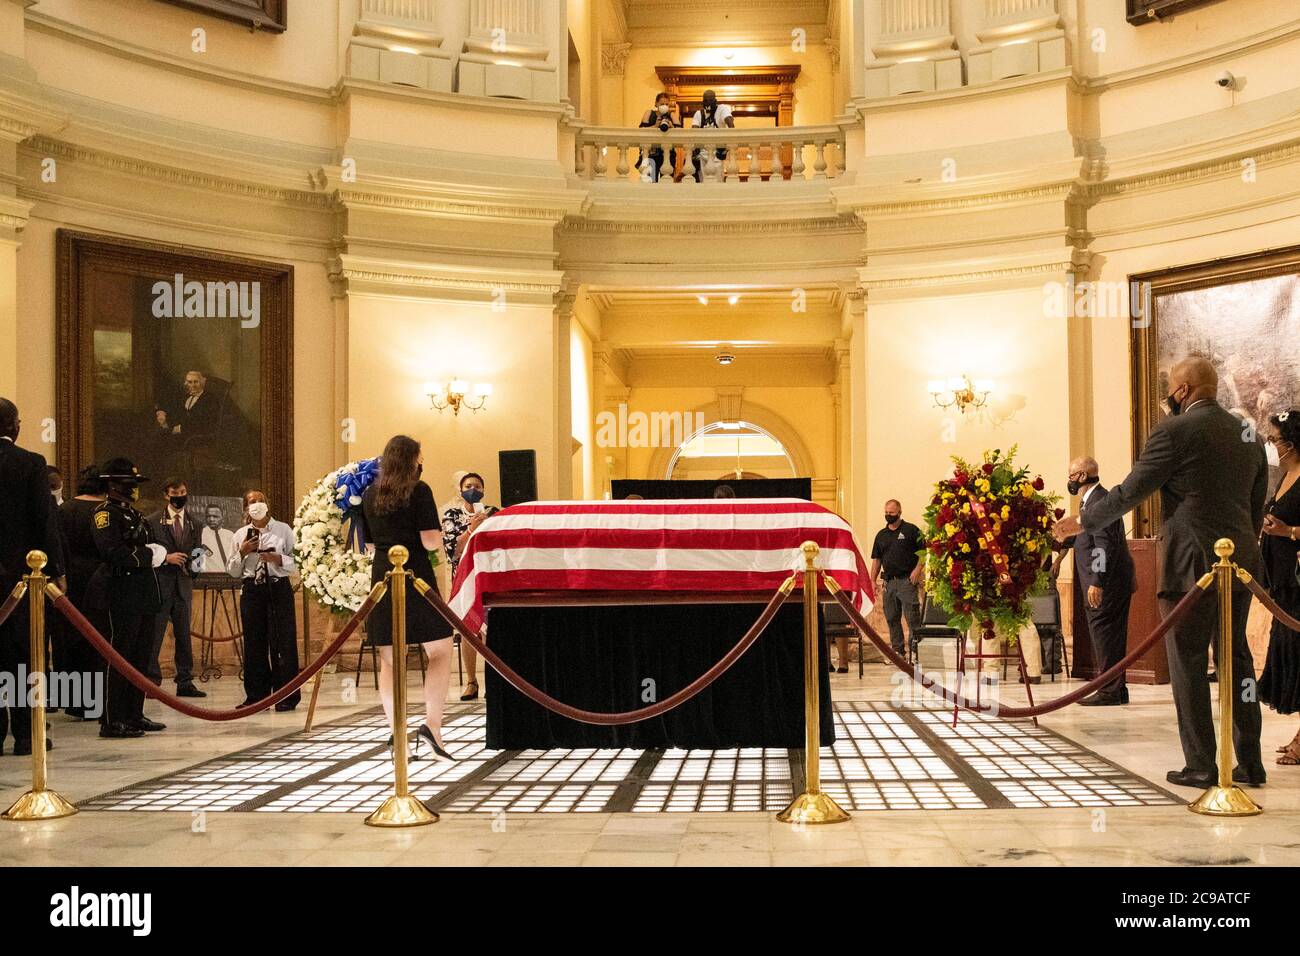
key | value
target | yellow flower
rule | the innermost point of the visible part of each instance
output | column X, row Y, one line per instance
column 1006, row 511
column 1031, row 545
column 965, row 549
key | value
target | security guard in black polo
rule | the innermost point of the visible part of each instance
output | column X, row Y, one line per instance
column 126, row 586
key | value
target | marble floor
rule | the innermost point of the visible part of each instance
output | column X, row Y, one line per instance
column 1141, row 739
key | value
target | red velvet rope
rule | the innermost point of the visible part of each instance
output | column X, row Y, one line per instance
column 1256, row 589
column 625, row 717
column 1179, row 611
column 124, row 667
column 13, row 600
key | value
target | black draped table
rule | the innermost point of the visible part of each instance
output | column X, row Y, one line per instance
column 614, row 655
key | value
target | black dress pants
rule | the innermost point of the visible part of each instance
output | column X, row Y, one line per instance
column 132, row 637
column 1188, row 647
column 15, row 651
column 270, row 638
column 176, row 610
column 1108, row 631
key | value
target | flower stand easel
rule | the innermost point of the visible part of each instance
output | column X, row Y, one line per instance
column 983, row 654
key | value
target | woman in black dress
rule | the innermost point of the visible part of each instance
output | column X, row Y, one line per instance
column 1279, row 685
column 399, row 509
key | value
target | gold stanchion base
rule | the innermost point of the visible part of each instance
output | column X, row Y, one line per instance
column 401, row 812
column 813, row 808
column 40, row 805
column 1225, row 802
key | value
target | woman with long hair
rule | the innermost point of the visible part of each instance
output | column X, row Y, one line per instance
column 1279, row 685
column 461, row 519
column 399, row 509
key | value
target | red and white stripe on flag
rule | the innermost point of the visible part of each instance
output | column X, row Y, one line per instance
column 722, row 546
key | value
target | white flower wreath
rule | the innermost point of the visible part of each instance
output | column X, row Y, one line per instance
column 333, row 571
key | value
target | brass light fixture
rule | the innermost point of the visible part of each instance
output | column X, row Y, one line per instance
column 961, row 392
column 457, row 394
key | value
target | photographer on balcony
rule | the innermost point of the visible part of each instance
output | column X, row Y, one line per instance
column 712, row 115
column 665, row 117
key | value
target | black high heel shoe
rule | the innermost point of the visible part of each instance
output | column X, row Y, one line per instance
column 425, row 735
column 470, row 694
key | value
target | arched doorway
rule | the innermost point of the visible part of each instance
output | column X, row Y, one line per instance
column 736, row 449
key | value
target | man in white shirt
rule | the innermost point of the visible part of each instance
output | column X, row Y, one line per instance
column 218, row 542
column 712, row 115
column 263, row 558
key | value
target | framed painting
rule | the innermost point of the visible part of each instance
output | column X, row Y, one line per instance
column 1242, row 313
column 271, row 15
column 182, row 361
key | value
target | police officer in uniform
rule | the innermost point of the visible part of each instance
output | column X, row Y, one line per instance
column 127, row 587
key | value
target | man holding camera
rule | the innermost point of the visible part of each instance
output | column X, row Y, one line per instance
column 263, row 557
column 712, row 115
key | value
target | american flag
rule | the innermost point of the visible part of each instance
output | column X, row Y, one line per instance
column 731, row 545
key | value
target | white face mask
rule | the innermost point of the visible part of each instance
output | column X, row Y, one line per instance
column 1270, row 452
column 663, row 108
column 258, row 510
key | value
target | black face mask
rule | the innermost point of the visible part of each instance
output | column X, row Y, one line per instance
column 419, row 470
column 1074, row 487
column 1173, row 404
column 890, row 519
column 178, row 501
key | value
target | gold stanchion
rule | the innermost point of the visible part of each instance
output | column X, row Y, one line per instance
column 401, row 809
column 812, row 806
column 38, row 803
column 1225, row 799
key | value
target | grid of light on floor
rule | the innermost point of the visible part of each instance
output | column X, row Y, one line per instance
column 903, row 795
column 1084, row 792
column 182, row 796
column 533, row 798
column 879, row 761
column 713, row 797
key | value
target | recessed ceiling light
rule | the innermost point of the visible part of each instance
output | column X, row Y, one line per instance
column 733, row 299
column 724, row 358
column 703, row 299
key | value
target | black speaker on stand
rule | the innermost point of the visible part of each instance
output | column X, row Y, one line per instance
column 518, row 470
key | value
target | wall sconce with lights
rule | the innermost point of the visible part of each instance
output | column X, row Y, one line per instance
column 961, row 392
column 457, row 393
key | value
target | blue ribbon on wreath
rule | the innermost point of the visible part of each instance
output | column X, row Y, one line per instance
column 348, row 489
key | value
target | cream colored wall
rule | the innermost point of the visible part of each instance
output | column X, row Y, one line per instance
column 395, row 345
column 814, row 92
column 999, row 335
column 583, row 399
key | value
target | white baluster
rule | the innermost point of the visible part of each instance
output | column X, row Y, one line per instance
column 598, row 166
column 579, row 157
column 819, row 165
column 731, row 172
column 796, row 162
column 622, row 161
column 778, row 167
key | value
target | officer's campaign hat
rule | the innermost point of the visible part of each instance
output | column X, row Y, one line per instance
column 121, row 469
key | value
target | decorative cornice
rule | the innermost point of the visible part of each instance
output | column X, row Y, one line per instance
column 840, row 225
column 183, row 177
column 974, row 276
column 365, row 275
column 485, row 208
column 1057, row 190
column 1217, row 168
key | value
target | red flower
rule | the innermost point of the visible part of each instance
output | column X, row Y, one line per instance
column 1060, row 513
column 988, row 468
column 1038, row 483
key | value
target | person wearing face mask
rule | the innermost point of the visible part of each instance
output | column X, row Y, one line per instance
column 894, row 554
column 1279, row 685
column 176, row 530
column 711, row 115
column 462, row 517
column 665, row 117
column 1212, row 476
column 24, row 526
column 1103, row 569
column 126, row 585
column 263, row 559
column 398, row 508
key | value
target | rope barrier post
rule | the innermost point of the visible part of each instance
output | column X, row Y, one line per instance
column 401, row 809
column 812, row 806
column 1225, row 799
column 38, row 803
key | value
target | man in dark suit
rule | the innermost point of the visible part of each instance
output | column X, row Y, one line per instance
column 1212, row 475
column 176, row 530
column 25, row 509
column 195, row 414
column 1103, row 571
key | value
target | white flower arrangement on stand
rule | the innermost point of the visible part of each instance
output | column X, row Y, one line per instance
column 335, row 570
